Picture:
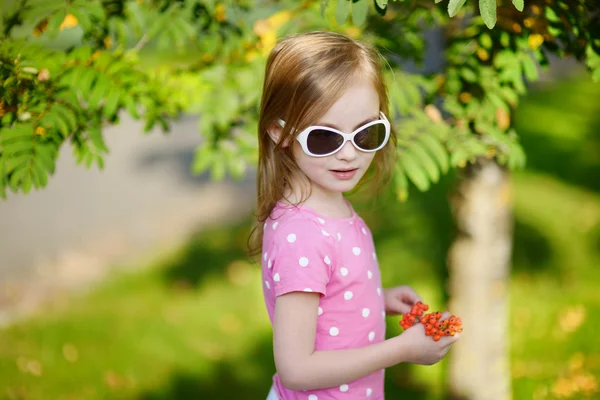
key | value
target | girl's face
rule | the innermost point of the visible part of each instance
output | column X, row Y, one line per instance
column 340, row 172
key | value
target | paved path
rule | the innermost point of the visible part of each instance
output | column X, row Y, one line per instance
column 85, row 219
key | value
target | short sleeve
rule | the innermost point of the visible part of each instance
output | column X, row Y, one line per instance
column 303, row 257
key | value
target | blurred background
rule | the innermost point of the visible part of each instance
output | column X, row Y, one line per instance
column 131, row 281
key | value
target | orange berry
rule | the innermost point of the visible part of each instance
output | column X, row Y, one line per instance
column 436, row 338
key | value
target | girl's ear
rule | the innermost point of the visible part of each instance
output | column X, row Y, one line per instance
column 274, row 130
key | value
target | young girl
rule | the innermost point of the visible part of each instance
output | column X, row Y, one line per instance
column 323, row 124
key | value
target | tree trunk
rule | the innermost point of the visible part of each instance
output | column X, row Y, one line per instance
column 479, row 267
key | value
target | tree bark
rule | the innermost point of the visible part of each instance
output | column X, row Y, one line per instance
column 479, row 269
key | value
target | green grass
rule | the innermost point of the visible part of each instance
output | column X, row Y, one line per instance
column 193, row 325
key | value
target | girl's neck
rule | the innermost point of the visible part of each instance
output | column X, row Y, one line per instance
column 327, row 203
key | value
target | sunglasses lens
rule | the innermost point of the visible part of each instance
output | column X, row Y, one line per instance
column 322, row 141
column 371, row 138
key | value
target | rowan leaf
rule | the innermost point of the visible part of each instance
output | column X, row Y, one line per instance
column 487, row 8
column 413, row 171
column 454, row 7
column 360, row 9
column 342, row 10
column 519, row 4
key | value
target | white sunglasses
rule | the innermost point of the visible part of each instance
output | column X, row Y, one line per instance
column 323, row 141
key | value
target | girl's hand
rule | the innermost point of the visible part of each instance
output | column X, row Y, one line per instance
column 399, row 299
column 422, row 349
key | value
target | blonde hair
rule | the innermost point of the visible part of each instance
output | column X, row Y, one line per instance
column 305, row 75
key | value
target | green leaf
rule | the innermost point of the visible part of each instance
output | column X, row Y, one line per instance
column 360, row 9
column 401, row 183
column 203, row 159
column 341, row 13
column 454, row 6
column 218, row 171
column 82, row 17
column 66, row 114
column 468, row 74
column 487, row 8
column 46, row 156
column 12, row 149
column 41, row 172
column 519, row 4
column 112, row 102
column 414, row 172
column 100, row 88
column 26, row 182
column 425, row 160
column 324, row 4
column 131, row 106
column 436, row 149
column 529, row 67
column 383, row 3
column 84, row 83
column 61, row 123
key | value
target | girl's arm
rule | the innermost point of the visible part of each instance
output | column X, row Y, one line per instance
column 300, row 367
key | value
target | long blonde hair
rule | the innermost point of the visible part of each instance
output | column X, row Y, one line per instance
column 305, row 75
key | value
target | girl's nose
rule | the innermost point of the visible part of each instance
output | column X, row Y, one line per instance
column 348, row 152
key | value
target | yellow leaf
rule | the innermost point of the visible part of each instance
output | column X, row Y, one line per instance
column 40, row 27
column 279, row 18
column 108, row 42
column 353, row 31
column 482, row 54
column 268, row 41
column 220, row 12
column 70, row 21
column 251, row 55
column 465, row 97
column 572, row 318
column 529, row 22
column 535, row 40
column 502, row 118
column 261, row 27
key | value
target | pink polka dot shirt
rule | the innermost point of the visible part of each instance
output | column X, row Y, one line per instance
column 304, row 251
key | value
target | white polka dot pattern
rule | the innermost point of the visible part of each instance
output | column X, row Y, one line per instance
column 336, row 258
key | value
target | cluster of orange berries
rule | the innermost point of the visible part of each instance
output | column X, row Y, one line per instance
column 434, row 324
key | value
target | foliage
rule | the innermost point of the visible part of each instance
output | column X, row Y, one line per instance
column 175, row 331
column 52, row 95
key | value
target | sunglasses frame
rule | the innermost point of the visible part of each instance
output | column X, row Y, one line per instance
column 302, row 137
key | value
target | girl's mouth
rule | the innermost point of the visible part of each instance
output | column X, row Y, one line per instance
column 344, row 174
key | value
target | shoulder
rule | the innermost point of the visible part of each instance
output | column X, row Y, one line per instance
column 294, row 224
